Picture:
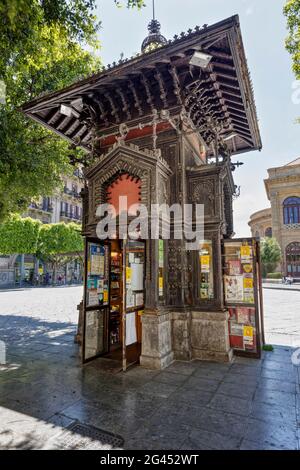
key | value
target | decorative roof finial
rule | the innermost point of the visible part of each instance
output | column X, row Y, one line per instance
column 154, row 39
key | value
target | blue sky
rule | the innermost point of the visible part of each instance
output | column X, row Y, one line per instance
column 264, row 30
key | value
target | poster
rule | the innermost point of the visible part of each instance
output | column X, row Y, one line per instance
column 161, row 286
column 129, row 299
column 246, row 253
column 137, row 276
column 242, row 315
column 128, row 275
column 234, row 291
column 248, row 290
column 131, row 336
column 93, row 298
column 236, row 329
column 248, row 335
column 234, row 267
column 205, row 263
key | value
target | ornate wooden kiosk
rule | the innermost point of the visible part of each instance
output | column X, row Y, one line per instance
column 168, row 119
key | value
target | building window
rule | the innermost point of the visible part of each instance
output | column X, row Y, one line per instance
column 291, row 210
column 268, row 232
column 293, row 259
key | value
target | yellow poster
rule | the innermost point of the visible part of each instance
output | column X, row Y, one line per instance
column 205, row 262
column 248, row 283
column 161, row 283
column 105, row 296
column 247, row 268
column 128, row 275
column 248, row 332
column 246, row 253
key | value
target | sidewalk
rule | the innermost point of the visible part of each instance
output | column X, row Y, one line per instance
column 292, row 287
column 46, row 397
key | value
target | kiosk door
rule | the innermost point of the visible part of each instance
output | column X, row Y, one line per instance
column 96, row 300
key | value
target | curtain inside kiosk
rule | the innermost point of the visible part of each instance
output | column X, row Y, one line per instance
column 114, row 300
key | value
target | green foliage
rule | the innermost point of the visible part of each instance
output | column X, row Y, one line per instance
column 19, row 235
column 58, row 239
column 270, row 255
column 268, row 347
column 292, row 13
column 59, row 243
column 40, row 51
column 274, row 276
column 32, row 159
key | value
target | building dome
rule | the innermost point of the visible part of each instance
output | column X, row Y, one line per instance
column 154, row 39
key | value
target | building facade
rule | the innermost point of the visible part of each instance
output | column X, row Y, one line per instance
column 282, row 220
column 63, row 206
column 161, row 128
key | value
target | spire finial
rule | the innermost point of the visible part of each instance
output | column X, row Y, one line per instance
column 155, row 38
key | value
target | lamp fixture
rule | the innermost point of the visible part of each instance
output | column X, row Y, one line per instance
column 200, row 59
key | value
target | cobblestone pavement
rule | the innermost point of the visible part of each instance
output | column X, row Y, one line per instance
column 249, row 404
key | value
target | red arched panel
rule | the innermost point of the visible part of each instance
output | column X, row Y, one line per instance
column 124, row 185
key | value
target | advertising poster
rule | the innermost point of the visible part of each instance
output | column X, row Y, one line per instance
column 234, row 290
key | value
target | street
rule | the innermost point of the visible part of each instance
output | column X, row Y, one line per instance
column 249, row 404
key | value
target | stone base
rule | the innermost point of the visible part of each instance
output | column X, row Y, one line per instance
column 184, row 335
column 210, row 336
column 156, row 340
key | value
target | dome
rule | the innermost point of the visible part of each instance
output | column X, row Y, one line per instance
column 154, row 39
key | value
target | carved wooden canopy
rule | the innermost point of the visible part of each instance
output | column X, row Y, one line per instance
column 131, row 91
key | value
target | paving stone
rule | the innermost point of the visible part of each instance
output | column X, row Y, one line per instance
column 281, row 436
column 158, row 389
column 277, row 385
column 209, row 440
column 206, row 384
column 227, row 424
column 279, row 375
column 185, row 368
column 237, row 406
column 193, row 397
column 243, row 369
column 211, row 374
column 275, row 397
column 170, row 378
column 272, row 413
column 234, row 378
column 237, row 390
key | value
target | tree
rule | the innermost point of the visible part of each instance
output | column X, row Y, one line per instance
column 59, row 244
column 292, row 13
column 40, row 51
column 270, row 255
column 19, row 235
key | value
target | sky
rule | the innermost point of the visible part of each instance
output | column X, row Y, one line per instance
column 264, row 31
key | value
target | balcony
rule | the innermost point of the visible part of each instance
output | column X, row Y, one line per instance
column 40, row 207
column 72, row 193
column 68, row 215
column 292, row 226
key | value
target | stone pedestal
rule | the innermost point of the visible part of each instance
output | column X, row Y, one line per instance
column 210, row 336
column 181, row 337
column 156, row 340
